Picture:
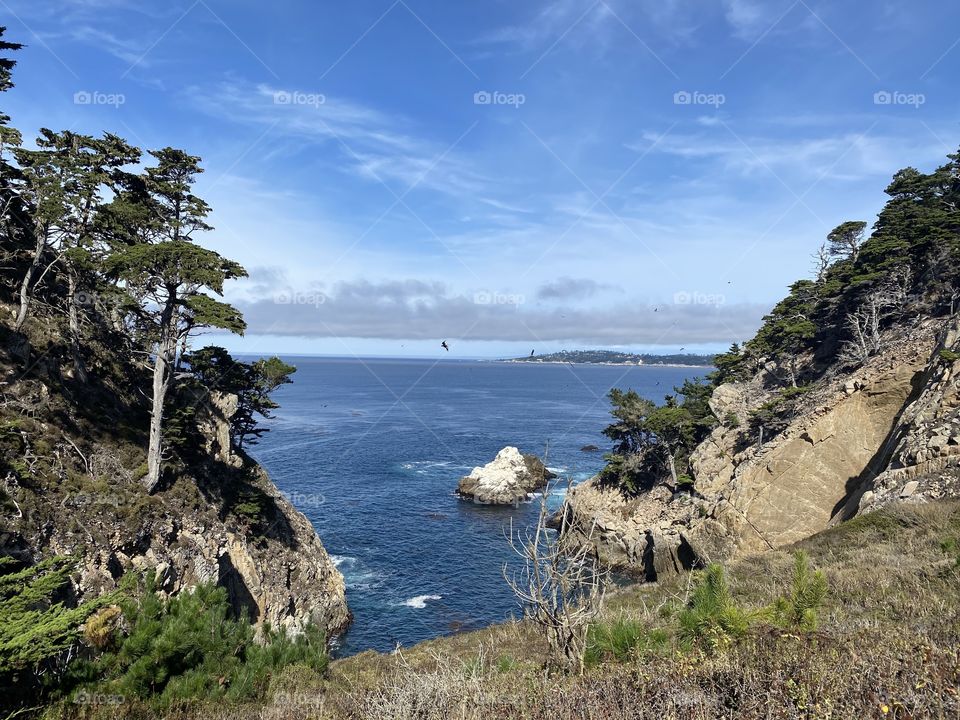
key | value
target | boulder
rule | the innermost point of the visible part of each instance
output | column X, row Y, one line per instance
column 507, row 480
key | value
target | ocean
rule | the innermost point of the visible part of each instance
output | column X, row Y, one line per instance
column 371, row 451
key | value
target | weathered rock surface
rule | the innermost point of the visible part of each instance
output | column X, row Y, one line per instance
column 508, row 479
column 925, row 454
column 221, row 520
column 888, row 431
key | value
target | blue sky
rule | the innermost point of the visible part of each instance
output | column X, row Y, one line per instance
column 504, row 175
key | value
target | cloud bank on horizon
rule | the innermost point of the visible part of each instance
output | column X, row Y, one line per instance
column 648, row 175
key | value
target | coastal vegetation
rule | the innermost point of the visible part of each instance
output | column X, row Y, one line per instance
column 103, row 290
column 906, row 269
column 805, row 631
column 107, row 288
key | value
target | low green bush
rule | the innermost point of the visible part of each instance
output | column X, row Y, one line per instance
column 620, row 639
column 711, row 619
column 193, row 647
column 799, row 610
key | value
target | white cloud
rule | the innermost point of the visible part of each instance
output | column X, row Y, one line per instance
column 371, row 144
column 844, row 157
column 419, row 310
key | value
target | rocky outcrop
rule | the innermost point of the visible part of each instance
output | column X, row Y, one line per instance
column 220, row 519
column 858, row 439
column 273, row 566
column 508, row 479
column 925, row 458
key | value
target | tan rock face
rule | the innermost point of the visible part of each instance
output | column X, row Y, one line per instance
column 794, row 488
column 899, row 409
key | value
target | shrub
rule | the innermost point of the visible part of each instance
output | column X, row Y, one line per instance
column 35, row 626
column 951, row 547
column 808, row 590
column 949, row 356
column 620, row 639
column 711, row 618
column 193, row 647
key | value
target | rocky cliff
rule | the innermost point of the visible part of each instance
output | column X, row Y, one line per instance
column 889, row 430
column 71, row 458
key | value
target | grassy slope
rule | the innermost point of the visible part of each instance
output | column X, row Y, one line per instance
column 887, row 647
column 888, row 639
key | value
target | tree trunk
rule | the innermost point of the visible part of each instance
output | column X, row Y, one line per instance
column 163, row 369
column 40, row 236
column 673, row 468
column 79, row 368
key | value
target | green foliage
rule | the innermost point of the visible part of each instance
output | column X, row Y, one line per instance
column 622, row 639
column 951, row 546
column 794, row 392
column 732, row 366
column 949, row 356
column 844, row 241
column 36, row 624
column 214, row 369
column 192, row 647
column 799, row 610
column 652, row 443
column 711, row 619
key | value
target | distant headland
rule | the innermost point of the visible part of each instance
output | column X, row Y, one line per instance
column 611, row 357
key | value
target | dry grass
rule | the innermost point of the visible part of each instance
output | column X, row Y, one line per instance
column 887, row 648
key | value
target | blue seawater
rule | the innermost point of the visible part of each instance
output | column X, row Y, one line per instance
column 371, row 451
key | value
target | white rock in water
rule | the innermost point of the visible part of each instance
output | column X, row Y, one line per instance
column 508, row 479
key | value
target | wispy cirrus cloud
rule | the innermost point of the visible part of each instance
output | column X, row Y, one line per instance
column 371, row 144
column 846, row 156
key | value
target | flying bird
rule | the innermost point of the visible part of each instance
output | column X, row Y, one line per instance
column 445, row 346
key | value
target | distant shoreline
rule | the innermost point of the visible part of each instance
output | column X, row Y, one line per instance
column 611, row 364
